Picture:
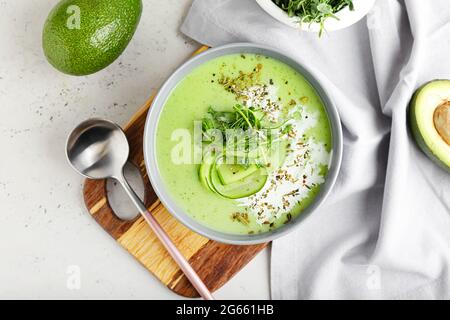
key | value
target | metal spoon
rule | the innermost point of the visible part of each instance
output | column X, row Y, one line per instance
column 98, row 149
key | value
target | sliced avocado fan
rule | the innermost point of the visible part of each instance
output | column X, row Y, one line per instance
column 430, row 121
column 231, row 181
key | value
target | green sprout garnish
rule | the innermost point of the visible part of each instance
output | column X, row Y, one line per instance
column 256, row 140
column 314, row 11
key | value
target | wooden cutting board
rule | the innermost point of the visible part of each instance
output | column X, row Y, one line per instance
column 216, row 263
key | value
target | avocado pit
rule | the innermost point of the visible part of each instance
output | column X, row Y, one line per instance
column 441, row 120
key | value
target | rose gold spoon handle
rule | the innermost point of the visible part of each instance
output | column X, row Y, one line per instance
column 98, row 149
column 167, row 242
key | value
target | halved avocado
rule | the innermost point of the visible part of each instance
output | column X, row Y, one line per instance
column 430, row 121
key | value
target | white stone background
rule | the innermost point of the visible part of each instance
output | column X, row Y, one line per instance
column 44, row 226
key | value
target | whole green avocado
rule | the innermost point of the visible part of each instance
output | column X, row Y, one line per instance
column 81, row 37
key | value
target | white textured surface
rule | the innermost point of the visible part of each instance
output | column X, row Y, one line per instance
column 44, row 226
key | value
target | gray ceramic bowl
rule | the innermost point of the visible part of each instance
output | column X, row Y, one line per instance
column 150, row 144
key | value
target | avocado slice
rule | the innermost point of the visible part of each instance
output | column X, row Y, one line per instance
column 229, row 173
column 430, row 121
column 251, row 179
column 242, row 188
column 204, row 172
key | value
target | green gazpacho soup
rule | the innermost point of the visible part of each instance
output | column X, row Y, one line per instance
column 258, row 144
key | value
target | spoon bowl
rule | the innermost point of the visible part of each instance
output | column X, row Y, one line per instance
column 97, row 149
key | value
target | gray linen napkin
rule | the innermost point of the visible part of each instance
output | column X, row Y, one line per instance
column 385, row 230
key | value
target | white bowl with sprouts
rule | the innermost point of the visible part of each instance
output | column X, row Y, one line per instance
column 342, row 19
